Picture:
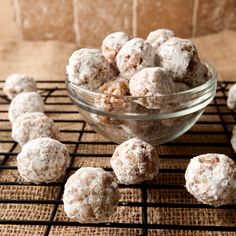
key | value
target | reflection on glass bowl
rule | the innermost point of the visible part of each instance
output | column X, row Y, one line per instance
column 175, row 114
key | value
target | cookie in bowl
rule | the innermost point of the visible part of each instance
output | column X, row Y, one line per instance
column 180, row 58
column 135, row 55
column 119, row 88
column 158, row 37
column 88, row 67
column 112, row 44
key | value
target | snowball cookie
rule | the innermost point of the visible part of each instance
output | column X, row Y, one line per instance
column 150, row 83
column 135, row 55
column 112, row 44
column 29, row 126
column 180, row 58
column 135, row 161
column 25, row 102
column 211, row 178
column 18, row 83
column 233, row 139
column 118, row 87
column 158, row 37
column 42, row 160
column 88, row 67
column 91, row 195
column 231, row 100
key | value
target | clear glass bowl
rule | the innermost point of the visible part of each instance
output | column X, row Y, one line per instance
column 123, row 117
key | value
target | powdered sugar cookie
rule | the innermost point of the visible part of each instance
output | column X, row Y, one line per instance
column 42, row 160
column 29, row 126
column 25, row 102
column 88, row 67
column 134, row 161
column 135, row 55
column 18, row 83
column 211, row 179
column 91, row 195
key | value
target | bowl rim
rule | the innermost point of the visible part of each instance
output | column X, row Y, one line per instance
column 209, row 83
column 204, row 94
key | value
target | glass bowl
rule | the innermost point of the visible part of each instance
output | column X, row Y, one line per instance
column 119, row 118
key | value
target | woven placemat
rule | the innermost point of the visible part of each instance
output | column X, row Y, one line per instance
column 166, row 204
column 159, row 207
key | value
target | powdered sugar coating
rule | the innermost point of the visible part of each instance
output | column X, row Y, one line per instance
column 151, row 82
column 134, row 161
column 91, row 195
column 158, row 37
column 135, row 55
column 231, row 100
column 42, row 160
column 112, row 44
column 180, row 58
column 88, row 67
column 233, row 138
column 29, row 126
column 25, row 102
column 18, row 83
column 117, row 87
column 211, row 178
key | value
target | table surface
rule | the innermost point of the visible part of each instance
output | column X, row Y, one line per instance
column 158, row 207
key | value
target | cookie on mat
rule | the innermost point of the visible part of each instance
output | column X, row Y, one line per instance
column 91, row 195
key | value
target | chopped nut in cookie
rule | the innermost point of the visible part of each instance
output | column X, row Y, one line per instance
column 135, row 161
column 135, row 55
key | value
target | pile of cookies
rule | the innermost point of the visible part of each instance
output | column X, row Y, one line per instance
column 42, row 158
column 146, row 69
column 161, row 64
